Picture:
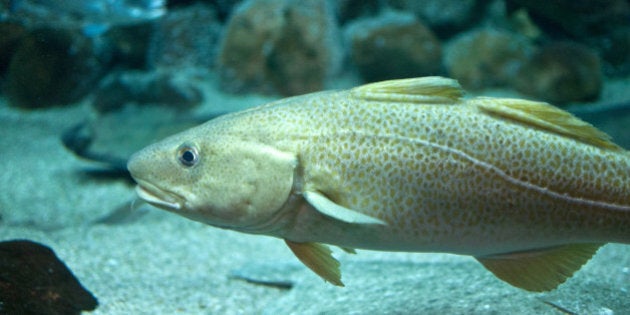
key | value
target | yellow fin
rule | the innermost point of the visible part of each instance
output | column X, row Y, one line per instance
column 426, row 90
column 318, row 258
column 544, row 116
column 539, row 270
column 329, row 208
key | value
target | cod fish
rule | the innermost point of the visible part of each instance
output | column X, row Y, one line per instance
column 411, row 165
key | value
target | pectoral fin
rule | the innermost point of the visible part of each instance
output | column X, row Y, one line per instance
column 333, row 210
column 318, row 257
column 539, row 270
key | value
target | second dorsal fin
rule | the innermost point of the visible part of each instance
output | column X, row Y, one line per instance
column 426, row 90
column 547, row 117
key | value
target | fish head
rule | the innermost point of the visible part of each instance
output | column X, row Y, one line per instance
column 225, row 181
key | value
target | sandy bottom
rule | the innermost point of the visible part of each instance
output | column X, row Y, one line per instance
column 165, row 264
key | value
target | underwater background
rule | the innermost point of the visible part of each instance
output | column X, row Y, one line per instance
column 84, row 84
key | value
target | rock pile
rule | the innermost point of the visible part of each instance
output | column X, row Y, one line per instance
column 289, row 47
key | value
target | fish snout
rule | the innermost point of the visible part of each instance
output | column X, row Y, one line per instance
column 144, row 162
column 134, row 166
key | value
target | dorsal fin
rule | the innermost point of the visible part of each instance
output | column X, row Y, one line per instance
column 544, row 116
column 426, row 90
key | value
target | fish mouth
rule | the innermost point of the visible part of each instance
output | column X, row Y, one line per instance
column 159, row 197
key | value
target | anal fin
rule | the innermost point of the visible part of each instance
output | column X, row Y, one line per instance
column 318, row 257
column 539, row 270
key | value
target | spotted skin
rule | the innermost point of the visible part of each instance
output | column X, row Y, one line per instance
column 448, row 177
column 444, row 174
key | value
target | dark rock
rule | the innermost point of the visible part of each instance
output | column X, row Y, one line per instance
column 92, row 18
column 286, row 47
column 445, row 17
column 224, row 7
column 349, row 10
column 579, row 18
column 111, row 138
column 34, row 281
column 129, row 44
column 561, row 72
column 393, row 45
column 486, row 58
column 12, row 35
column 52, row 67
column 613, row 119
column 603, row 25
column 615, row 51
column 186, row 36
column 139, row 87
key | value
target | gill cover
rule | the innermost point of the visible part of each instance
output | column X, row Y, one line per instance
column 243, row 183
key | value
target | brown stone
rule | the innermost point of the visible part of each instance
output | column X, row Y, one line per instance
column 12, row 34
column 272, row 46
column 486, row 58
column 580, row 18
column 561, row 72
column 444, row 17
column 167, row 88
column 185, row 37
column 52, row 68
column 34, row 281
column 393, row 45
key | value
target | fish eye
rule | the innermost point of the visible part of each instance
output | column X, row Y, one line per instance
column 187, row 155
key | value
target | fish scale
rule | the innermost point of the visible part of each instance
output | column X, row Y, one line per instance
column 404, row 165
column 455, row 130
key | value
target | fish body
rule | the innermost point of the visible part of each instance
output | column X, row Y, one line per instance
column 403, row 165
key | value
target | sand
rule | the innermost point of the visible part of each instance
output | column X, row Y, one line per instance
column 165, row 264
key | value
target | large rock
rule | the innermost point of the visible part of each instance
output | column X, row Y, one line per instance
column 34, row 281
column 393, row 45
column 579, row 18
column 603, row 25
column 271, row 46
column 348, row 10
column 561, row 72
column 129, row 44
column 52, row 67
column 224, row 7
column 185, row 37
column 445, row 17
column 486, row 58
column 173, row 89
column 12, row 34
column 615, row 51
